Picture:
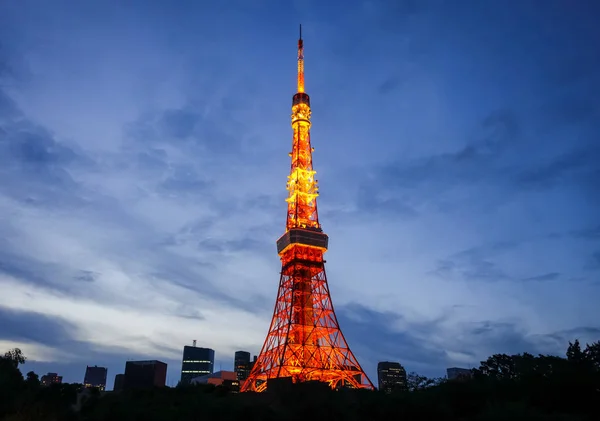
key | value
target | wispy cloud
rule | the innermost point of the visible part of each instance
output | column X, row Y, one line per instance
column 445, row 341
column 544, row 277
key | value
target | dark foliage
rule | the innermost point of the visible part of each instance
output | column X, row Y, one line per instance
column 504, row 387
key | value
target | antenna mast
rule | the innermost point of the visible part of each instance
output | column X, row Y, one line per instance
column 300, row 63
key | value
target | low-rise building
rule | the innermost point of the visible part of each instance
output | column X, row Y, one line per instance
column 50, row 378
column 220, row 378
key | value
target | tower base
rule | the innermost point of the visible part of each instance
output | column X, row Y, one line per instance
column 305, row 342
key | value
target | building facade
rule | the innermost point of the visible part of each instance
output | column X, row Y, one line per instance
column 196, row 362
column 95, row 377
column 50, row 378
column 220, row 378
column 144, row 374
column 391, row 376
column 119, row 382
column 241, row 365
column 454, row 373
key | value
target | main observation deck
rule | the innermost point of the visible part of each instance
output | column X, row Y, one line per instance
column 311, row 237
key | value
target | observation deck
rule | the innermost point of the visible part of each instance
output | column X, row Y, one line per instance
column 304, row 236
column 301, row 98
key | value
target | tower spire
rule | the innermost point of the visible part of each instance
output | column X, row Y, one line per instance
column 304, row 342
column 300, row 63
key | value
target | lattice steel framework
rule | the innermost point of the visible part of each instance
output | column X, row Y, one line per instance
column 304, row 340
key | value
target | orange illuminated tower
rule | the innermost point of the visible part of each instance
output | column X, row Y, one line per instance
column 304, row 341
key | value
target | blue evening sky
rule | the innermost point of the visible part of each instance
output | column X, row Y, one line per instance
column 143, row 163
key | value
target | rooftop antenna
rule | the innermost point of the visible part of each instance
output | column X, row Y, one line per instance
column 194, row 342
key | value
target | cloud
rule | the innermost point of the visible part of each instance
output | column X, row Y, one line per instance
column 471, row 269
column 484, row 160
column 388, row 85
column 36, row 160
column 86, row 276
column 35, row 327
column 590, row 233
column 179, row 123
column 372, row 336
column 415, row 184
column 424, row 345
column 475, row 264
column 545, row 277
column 50, row 349
column 30, row 270
column 35, row 166
column 199, row 132
column 62, row 351
column 593, row 262
column 112, row 214
column 560, row 168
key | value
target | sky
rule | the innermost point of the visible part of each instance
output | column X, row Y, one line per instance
column 144, row 155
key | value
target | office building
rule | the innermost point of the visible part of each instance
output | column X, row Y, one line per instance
column 241, row 364
column 119, row 382
column 50, row 378
column 391, row 376
column 220, row 378
column 454, row 373
column 145, row 374
column 196, row 362
column 95, row 377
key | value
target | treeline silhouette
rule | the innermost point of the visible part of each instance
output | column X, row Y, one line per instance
column 504, row 387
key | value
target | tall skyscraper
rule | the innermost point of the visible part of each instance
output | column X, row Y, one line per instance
column 95, row 377
column 391, row 376
column 196, row 362
column 304, row 342
column 145, row 374
column 241, row 365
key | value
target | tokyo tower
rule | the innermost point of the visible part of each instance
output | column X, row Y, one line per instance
column 304, row 342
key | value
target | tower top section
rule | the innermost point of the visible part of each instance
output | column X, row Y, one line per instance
column 301, row 97
column 300, row 63
column 302, row 185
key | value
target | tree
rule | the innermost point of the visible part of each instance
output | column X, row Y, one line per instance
column 592, row 354
column 415, row 381
column 498, row 366
column 11, row 381
column 574, row 352
column 16, row 356
column 32, row 379
column 441, row 380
